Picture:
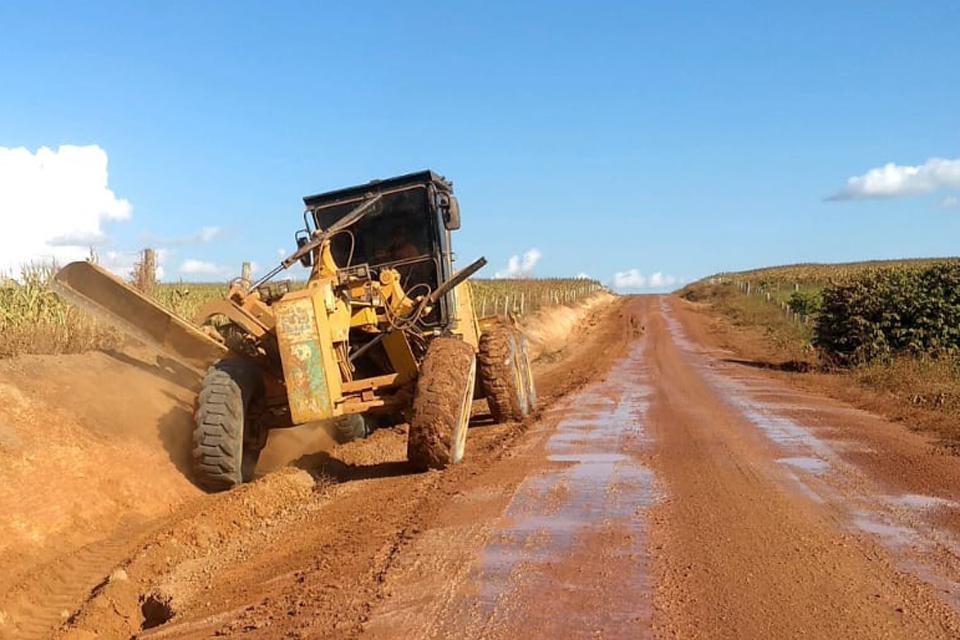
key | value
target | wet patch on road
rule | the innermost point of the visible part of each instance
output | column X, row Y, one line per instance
column 589, row 504
column 816, row 466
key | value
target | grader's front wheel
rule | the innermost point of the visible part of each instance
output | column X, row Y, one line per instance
column 224, row 454
column 441, row 408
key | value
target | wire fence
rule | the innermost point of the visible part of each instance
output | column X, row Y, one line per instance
column 772, row 294
column 520, row 297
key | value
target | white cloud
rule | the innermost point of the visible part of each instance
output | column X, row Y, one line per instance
column 203, row 236
column 122, row 263
column 583, row 276
column 79, row 239
column 950, row 202
column 633, row 279
column 208, row 234
column 893, row 180
column 521, row 266
column 202, row 268
column 53, row 203
column 658, row 281
column 282, row 253
column 630, row 279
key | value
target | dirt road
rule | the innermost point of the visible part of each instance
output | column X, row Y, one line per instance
column 666, row 491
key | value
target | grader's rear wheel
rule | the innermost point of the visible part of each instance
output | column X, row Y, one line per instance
column 224, row 451
column 505, row 374
column 350, row 427
column 441, row 408
column 531, row 387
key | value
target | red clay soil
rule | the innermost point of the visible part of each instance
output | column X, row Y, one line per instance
column 664, row 491
column 94, row 450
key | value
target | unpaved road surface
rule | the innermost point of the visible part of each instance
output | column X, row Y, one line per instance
column 665, row 491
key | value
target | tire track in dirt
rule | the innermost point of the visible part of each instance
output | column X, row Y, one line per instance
column 34, row 615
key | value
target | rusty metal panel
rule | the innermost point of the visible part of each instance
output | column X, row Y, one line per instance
column 300, row 339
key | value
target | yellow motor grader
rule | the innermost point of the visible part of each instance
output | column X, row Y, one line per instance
column 382, row 332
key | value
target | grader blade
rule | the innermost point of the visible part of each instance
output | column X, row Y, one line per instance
column 110, row 299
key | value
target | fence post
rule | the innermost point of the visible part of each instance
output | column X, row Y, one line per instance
column 145, row 272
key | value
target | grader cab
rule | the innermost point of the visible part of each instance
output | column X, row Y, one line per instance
column 382, row 332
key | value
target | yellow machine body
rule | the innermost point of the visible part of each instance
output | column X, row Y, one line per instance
column 313, row 328
column 305, row 341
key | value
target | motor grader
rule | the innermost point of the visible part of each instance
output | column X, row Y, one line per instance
column 382, row 332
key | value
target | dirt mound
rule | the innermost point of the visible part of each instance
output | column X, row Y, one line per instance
column 81, row 436
column 548, row 329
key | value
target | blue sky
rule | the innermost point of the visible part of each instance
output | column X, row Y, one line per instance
column 665, row 137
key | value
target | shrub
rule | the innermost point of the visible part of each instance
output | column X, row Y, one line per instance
column 890, row 311
column 805, row 303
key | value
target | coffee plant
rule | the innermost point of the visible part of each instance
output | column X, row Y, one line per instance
column 888, row 311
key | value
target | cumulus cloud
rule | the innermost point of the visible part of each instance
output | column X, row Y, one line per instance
column 79, row 239
column 209, row 234
column 521, row 266
column 893, row 180
column 203, row 236
column 583, row 276
column 53, row 203
column 633, row 279
column 122, row 263
column 950, row 202
column 204, row 269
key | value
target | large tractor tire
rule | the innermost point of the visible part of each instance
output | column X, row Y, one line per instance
column 505, row 376
column 441, row 407
column 225, row 450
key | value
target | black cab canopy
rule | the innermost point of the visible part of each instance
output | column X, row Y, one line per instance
column 378, row 186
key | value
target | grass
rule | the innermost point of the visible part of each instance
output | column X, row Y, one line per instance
column 789, row 340
column 921, row 382
column 34, row 320
column 922, row 391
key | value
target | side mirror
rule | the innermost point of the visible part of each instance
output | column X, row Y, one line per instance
column 302, row 239
column 451, row 212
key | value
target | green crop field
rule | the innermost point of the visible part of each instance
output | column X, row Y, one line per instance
column 858, row 312
column 34, row 320
column 782, row 280
column 799, row 287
